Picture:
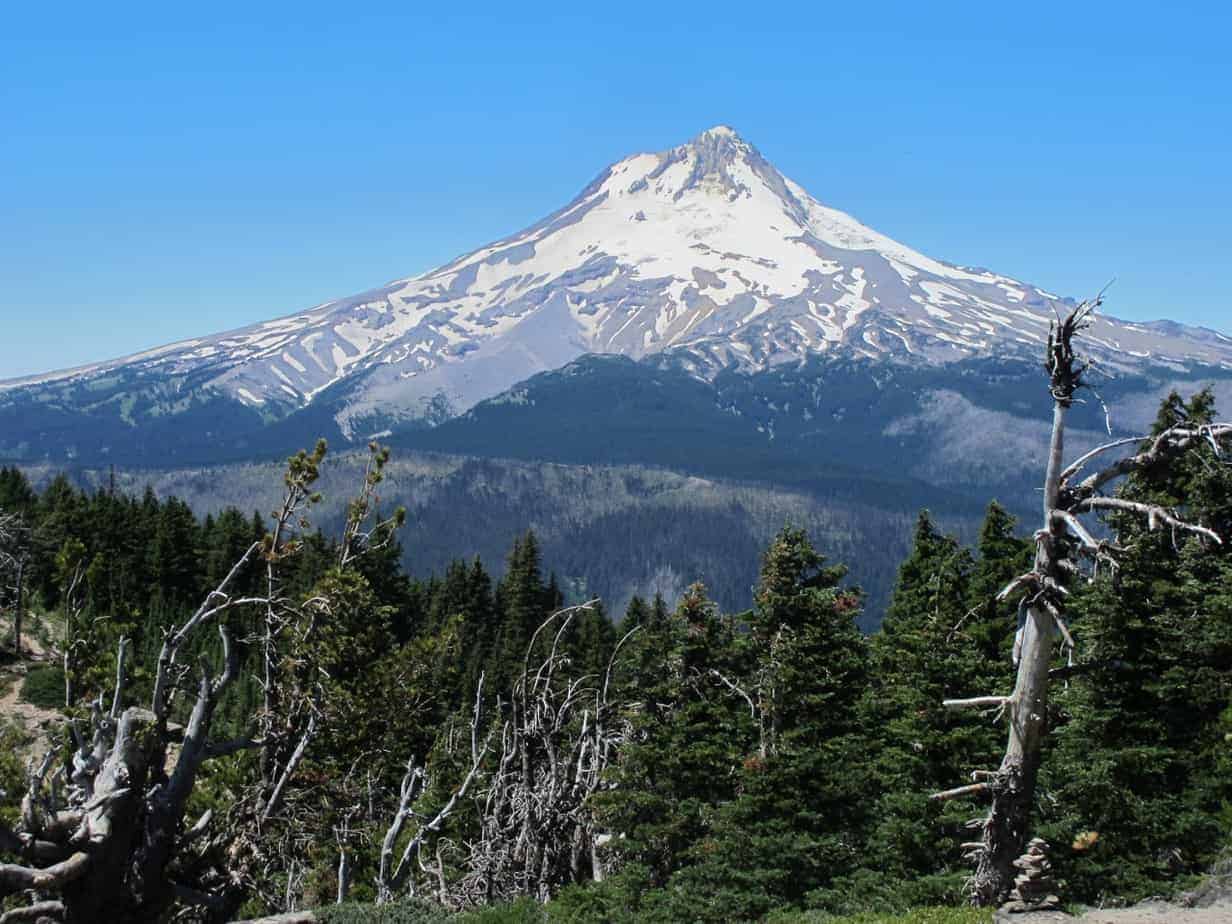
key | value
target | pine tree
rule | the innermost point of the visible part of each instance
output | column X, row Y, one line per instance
column 933, row 645
column 797, row 820
column 688, row 736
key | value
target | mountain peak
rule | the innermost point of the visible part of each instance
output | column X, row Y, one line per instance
column 704, row 250
column 721, row 144
column 717, row 160
column 719, row 134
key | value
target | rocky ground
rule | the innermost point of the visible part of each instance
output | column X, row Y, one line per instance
column 1153, row 912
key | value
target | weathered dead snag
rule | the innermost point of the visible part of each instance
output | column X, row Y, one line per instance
column 390, row 877
column 537, row 834
column 14, row 559
column 1064, row 548
column 104, row 832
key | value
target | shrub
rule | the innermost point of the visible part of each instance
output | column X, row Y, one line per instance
column 407, row 911
column 13, row 741
column 44, row 686
column 420, row 911
column 915, row 916
column 523, row 911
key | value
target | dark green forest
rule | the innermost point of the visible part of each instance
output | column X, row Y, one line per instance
column 450, row 743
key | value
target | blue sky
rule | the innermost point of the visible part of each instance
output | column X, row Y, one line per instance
column 180, row 169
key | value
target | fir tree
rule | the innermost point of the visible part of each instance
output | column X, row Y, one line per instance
column 796, row 822
column 688, row 736
column 932, row 646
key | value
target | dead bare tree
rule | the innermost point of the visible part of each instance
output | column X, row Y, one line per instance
column 1065, row 548
column 390, row 877
column 536, row 831
column 103, row 838
column 14, row 560
column 72, row 607
column 10, row 529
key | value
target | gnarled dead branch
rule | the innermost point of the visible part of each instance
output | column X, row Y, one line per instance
column 536, row 830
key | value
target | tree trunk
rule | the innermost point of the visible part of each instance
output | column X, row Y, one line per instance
column 1006, row 829
column 1013, row 788
column 21, row 602
column 115, row 831
column 344, row 875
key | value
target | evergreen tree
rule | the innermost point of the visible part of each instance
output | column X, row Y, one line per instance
column 175, row 553
column 688, row 735
column 1001, row 556
column 523, row 602
column 932, row 646
column 16, row 494
column 798, row 817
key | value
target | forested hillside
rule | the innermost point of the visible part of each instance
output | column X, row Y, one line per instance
column 356, row 734
column 610, row 531
column 614, row 462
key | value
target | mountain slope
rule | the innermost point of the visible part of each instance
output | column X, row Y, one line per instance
column 895, row 436
column 704, row 252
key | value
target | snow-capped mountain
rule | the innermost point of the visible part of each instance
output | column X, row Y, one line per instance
column 704, row 252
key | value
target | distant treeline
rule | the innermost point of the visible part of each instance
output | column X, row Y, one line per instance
column 612, row 532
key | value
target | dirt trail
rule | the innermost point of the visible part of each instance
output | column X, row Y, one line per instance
column 1145, row 913
column 34, row 719
column 1159, row 912
column 31, row 716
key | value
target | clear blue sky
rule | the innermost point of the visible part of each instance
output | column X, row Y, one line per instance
column 179, row 169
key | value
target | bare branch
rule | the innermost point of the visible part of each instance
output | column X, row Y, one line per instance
column 1169, row 443
column 14, row 878
column 117, row 697
column 1154, row 514
column 971, row 790
column 297, row 755
column 38, row 912
column 197, row 830
column 977, row 702
column 216, row 602
column 736, row 689
column 388, row 882
column 1076, row 527
column 1028, row 581
column 1080, row 463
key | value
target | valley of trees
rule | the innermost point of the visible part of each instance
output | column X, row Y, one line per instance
column 612, row 532
column 262, row 718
